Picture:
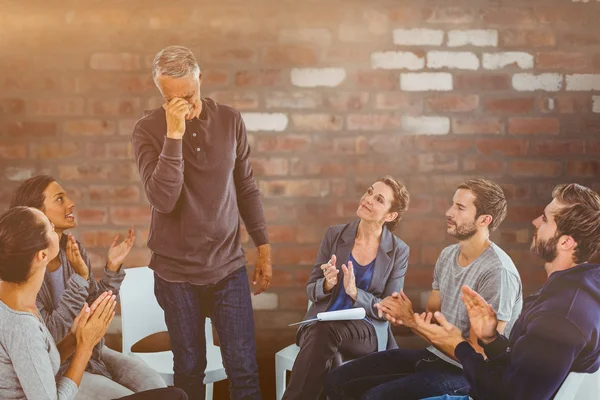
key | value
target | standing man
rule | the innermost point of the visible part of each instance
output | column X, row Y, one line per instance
column 193, row 158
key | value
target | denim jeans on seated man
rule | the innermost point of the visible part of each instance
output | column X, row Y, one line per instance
column 395, row 374
column 228, row 304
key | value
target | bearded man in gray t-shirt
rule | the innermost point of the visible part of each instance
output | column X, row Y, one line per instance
column 478, row 207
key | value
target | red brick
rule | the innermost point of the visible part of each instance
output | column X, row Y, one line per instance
column 283, row 143
column 515, row 236
column 405, row 14
column 258, row 78
column 553, row 147
column 13, row 151
column 91, row 216
column 58, row 106
column 420, row 204
column 444, row 144
column 566, row 103
column 319, row 167
column 419, row 277
column 342, row 145
column 588, row 169
column 448, row 15
column 115, row 62
column 484, row 165
column 295, row 188
column 378, row 79
column 89, row 127
column 516, row 191
column 429, row 256
column 530, row 126
column 374, row 167
column 414, row 230
column 596, row 62
column 270, row 166
column 317, row 122
column 114, row 193
column 271, row 212
column 527, row 38
column 137, row 84
column 137, row 258
column 232, row 56
column 346, row 101
column 293, row 99
column 130, row 215
column 453, row 103
column 236, row 99
column 215, row 78
column 282, row 234
column 290, row 55
column 399, row 101
column 593, row 146
column 516, row 105
column 496, row 16
column 390, row 143
column 295, row 255
column 12, row 106
column 116, row 107
column 436, row 162
column 503, row 147
column 570, row 39
column 100, row 238
column 292, row 299
column 482, row 82
column 309, row 234
column 476, row 126
column 53, row 151
column 32, row 129
column 557, row 14
column 124, row 171
column 373, row 122
column 84, row 172
column 535, row 169
column 524, row 213
column 561, row 61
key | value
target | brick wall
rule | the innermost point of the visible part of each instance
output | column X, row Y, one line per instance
column 334, row 94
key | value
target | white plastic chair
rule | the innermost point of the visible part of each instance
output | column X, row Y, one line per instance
column 141, row 316
column 580, row 386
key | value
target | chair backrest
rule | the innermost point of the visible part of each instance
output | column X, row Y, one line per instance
column 580, row 386
column 141, row 316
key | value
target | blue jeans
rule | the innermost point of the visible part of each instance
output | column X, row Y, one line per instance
column 229, row 305
column 395, row 374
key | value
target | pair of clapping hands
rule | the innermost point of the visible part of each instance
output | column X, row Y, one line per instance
column 331, row 272
column 398, row 310
column 92, row 322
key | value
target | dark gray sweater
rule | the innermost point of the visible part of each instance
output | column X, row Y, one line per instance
column 198, row 187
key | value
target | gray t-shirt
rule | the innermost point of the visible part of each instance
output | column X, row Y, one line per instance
column 493, row 275
column 29, row 360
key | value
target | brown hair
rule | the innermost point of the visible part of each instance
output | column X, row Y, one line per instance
column 30, row 193
column 22, row 235
column 489, row 200
column 399, row 202
column 579, row 218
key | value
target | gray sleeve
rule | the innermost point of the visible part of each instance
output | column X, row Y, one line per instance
column 436, row 274
column 314, row 286
column 59, row 320
column 500, row 289
column 31, row 361
column 161, row 173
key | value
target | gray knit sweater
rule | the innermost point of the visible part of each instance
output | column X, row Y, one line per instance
column 77, row 292
column 29, row 360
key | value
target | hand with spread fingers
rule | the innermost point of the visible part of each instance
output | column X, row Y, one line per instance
column 118, row 252
column 350, row 281
column 398, row 309
column 444, row 336
column 330, row 272
column 75, row 259
column 482, row 316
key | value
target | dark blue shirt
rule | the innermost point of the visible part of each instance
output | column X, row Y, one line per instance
column 363, row 276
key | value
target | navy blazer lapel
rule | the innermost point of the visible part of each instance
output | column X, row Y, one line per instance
column 383, row 260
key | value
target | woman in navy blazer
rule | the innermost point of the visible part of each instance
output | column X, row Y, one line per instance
column 358, row 264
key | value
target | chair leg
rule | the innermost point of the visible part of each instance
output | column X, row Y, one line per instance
column 209, row 391
column 280, row 380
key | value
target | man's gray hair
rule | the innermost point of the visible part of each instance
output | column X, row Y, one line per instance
column 176, row 62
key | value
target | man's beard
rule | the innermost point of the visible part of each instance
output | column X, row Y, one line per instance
column 464, row 231
column 546, row 249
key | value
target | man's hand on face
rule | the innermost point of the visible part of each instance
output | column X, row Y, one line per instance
column 176, row 111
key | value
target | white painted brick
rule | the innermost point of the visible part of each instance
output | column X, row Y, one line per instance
column 583, row 82
column 531, row 82
column 418, row 37
column 473, row 37
column 454, row 60
column 397, row 60
column 317, row 77
column 596, row 104
column 426, row 125
column 501, row 60
column 276, row 122
column 426, row 81
column 265, row 301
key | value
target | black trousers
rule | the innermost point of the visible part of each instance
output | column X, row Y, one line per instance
column 319, row 344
